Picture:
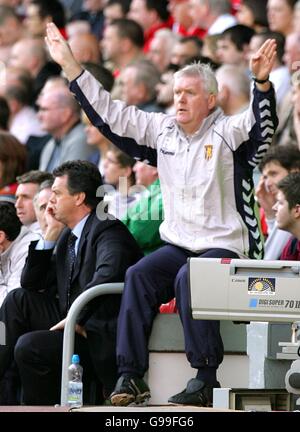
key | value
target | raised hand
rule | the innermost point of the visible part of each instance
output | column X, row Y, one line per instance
column 61, row 52
column 262, row 61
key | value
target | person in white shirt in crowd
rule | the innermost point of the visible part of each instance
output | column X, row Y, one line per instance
column 119, row 178
column 213, row 15
column 280, row 75
column 14, row 242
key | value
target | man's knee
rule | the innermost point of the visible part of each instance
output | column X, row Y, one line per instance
column 137, row 268
column 17, row 296
column 23, row 348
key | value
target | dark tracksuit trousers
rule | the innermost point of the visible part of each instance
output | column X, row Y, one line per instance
column 154, row 280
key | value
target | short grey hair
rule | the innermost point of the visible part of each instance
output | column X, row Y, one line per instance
column 202, row 71
column 235, row 78
column 146, row 73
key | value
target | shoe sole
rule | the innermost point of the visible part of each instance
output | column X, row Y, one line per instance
column 125, row 399
column 191, row 404
column 122, row 399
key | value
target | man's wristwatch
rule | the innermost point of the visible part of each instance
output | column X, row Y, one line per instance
column 260, row 81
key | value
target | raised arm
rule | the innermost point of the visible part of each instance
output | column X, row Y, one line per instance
column 61, row 52
column 262, row 63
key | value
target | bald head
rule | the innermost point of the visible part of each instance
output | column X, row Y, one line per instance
column 85, row 48
column 58, row 111
column 292, row 51
column 29, row 54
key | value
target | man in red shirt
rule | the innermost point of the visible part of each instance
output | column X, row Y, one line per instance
column 287, row 209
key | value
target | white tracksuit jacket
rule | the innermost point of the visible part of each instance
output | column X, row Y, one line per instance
column 206, row 180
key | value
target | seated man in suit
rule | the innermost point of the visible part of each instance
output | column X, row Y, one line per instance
column 90, row 249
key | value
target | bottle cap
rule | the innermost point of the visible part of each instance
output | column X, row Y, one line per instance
column 75, row 358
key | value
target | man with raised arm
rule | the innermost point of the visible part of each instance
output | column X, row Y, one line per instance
column 205, row 163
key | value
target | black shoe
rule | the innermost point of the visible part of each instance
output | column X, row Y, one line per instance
column 196, row 393
column 130, row 390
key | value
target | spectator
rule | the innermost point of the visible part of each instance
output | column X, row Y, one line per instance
column 296, row 109
column 23, row 120
column 210, row 47
column 71, row 7
column 14, row 242
column 40, row 12
column 184, row 49
column 281, row 15
column 234, row 89
column 118, row 172
column 115, row 9
column 233, row 45
column 11, row 30
column 193, row 214
column 212, row 15
column 161, row 47
column 276, row 164
column 59, row 115
column 40, row 202
column 102, row 74
column 296, row 27
column 253, row 13
column 179, row 10
column 28, row 185
column 12, row 165
column 164, row 90
column 151, row 15
column 285, row 134
column 144, row 217
column 77, row 27
column 138, row 85
column 122, row 43
column 104, row 249
column 280, row 75
column 287, row 210
column 30, row 54
column 85, row 48
column 92, row 12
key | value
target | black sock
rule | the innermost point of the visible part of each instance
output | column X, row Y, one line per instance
column 207, row 375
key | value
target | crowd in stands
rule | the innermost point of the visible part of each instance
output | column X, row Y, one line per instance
column 64, row 168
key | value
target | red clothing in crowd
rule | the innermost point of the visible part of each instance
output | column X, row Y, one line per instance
column 149, row 34
column 291, row 251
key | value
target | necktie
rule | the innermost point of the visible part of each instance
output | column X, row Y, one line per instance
column 71, row 258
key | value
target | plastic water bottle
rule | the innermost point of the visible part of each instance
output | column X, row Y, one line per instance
column 75, row 383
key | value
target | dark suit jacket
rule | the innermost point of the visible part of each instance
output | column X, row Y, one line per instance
column 105, row 251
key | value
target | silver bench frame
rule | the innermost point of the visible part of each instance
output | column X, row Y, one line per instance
column 69, row 331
